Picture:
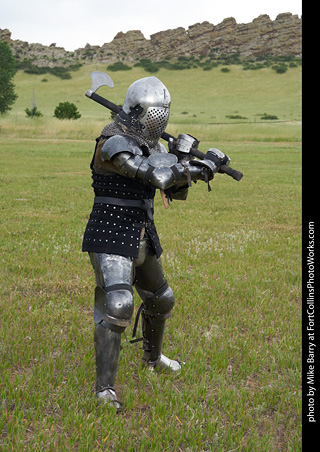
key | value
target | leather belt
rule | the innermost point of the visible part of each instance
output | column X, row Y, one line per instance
column 144, row 204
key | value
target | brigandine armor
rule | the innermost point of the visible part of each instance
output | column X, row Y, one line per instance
column 128, row 165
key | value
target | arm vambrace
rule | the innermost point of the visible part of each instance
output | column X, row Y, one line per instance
column 137, row 166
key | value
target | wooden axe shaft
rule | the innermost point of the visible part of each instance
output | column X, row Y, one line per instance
column 237, row 175
column 106, row 103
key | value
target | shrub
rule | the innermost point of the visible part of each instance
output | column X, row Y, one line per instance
column 266, row 116
column 32, row 69
column 148, row 65
column 58, row 71
column 236, row 117
column 119, row 66
column 208, row 65
column 253, row 66
column 164, row 64
column 280, row 68
column 66, row 110
column 34, row 112
column 74, row 67
column 61, row 72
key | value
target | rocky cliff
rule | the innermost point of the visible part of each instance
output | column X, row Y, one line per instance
column 283, row 36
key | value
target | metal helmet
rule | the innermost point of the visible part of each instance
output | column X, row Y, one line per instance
column 154, row 99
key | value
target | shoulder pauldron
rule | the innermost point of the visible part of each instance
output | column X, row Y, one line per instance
column 119, row 143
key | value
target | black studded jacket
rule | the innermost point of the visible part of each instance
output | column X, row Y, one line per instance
column 114, row 228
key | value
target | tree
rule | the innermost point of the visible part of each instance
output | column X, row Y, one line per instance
column 66, row 110
column 34, row 112
column 7, row 72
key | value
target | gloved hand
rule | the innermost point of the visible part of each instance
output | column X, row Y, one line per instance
column 207, row 166
column 217, row 157
column 183, row 146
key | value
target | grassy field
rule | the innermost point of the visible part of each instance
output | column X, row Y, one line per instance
column 232, row 257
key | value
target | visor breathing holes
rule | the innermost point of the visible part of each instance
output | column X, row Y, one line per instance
column 155, row 122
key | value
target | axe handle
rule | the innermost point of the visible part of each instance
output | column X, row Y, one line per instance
column 166, row 136
column 237, row 175
column 106, row 103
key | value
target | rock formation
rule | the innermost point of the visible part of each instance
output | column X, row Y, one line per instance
column 283, row 36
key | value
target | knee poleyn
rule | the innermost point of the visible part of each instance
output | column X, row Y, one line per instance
column 160, row 304
column 113, row 305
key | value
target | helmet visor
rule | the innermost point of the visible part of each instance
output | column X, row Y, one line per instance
column 155, row 122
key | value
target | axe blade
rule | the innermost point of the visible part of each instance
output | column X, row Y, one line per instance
column 99, row 79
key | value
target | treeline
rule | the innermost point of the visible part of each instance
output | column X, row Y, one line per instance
column 278, row 63
column 59, row 71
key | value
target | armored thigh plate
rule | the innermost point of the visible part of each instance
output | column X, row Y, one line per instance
column 113, row 294
column 150, row 276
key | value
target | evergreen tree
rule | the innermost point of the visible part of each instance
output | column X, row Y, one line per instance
column 7, row 72
column 66, row 110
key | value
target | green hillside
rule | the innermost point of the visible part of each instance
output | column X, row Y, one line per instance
column 199, row 98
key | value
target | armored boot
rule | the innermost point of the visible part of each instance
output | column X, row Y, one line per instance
column 158, row 301
column 153, row 329
column 156, row 309
column 107, row 347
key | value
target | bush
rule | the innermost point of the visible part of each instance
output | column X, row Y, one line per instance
column 58, row 71
column 34, row 112
column 280, row 68
column 236, row 117
column 266, row 116
column 119, row 66
column 208, row 65
column 66, row 110
column 61, row 72
column 253, row 66
column 148, row 65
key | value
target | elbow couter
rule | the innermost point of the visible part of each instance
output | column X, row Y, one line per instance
column 162, row 178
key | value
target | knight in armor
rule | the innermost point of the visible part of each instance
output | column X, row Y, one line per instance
column 128, row 166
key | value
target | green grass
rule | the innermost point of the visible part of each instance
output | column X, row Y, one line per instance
column 232, row 257
column 209, row 95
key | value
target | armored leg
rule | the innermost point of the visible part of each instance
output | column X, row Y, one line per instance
column 107, row 348
column 158, row 301
column 157, row 308
column 113, row 309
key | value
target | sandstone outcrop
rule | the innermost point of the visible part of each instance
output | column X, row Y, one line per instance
column 283, row 36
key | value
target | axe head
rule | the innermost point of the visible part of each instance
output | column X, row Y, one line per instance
column 99, row 79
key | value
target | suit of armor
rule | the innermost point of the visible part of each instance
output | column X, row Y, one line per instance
column 128, row 166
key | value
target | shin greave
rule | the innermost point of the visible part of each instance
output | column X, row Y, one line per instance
column 152, row 330
column 107, row 342
column 156, row 309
